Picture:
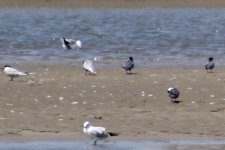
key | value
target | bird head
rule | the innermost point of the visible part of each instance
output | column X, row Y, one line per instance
column 169, row 89
column 131, row 58
column 86, row 124
column 7, row 66
column 210, row 59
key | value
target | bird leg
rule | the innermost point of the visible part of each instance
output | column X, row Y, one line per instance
column 95, row 142
column 85, row 72
column 11, row 78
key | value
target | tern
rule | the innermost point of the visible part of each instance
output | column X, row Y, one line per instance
column 12, row 72
column 210, row 64
column 129, row 65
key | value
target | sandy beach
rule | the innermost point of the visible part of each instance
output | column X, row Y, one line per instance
column 114, row 3
column 55, row 101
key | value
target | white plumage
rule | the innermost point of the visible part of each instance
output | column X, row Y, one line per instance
column 12, row 72
column 70, row 43
column 89, row 66
column 79, row 44
column 95, row 133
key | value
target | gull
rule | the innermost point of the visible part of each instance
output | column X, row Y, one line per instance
column 96, row 133
column 88, row 66
column 173, row 94
column 70, row 43
column 210, row 64
column 129, row 65
column 12, row 72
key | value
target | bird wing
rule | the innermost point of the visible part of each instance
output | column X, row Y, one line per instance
column 98, row 132
column 174, row 93
column 210, row 65
column 70, row 40
column 88, row 65
column 78, row 44
column 128, row 65
column 63, row 43
column 14, row 72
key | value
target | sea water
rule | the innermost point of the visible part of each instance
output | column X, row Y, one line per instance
column 152, row 36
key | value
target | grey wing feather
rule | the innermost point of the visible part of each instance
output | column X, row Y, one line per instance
column 99, row 134
column 128, row 65
column 210, row 65
column 174, row 93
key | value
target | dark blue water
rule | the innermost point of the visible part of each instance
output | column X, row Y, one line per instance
column 151, row 36
column 118, row 145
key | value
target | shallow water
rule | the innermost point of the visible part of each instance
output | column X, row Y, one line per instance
column 151, row 36
column 116, row 145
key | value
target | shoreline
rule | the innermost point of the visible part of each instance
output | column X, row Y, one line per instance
column 57, row 99
column 113, row 4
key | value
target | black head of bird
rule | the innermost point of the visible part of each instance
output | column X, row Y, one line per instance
column 131, row 59
column 7, row 66
column 210, row 59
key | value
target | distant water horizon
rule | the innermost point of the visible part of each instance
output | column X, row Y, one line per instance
column 154, row 37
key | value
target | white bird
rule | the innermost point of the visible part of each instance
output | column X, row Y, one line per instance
column 11, row 72
column 70, row 43
column 88, row 66
column 95, row 133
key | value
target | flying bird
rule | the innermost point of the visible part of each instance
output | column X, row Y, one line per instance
column 129, row 65
column 173, row 94
column 89, row 67
column 95, row 133
column 70, row 43
column 12, row 72
column 210, row 65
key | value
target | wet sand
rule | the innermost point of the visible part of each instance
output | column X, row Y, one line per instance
column 114, row 3
column 57, row 99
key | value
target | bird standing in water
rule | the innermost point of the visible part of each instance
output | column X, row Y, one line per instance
column 95, row 133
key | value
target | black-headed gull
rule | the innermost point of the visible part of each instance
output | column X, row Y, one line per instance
column 95, row 133
column 88, row 66
column 70, row 43
column 12, row 72
column 129, row 65
column 173, row 94
column 210, row 64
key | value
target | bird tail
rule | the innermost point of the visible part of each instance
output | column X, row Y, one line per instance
column 124, row 67
column 113, row 134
